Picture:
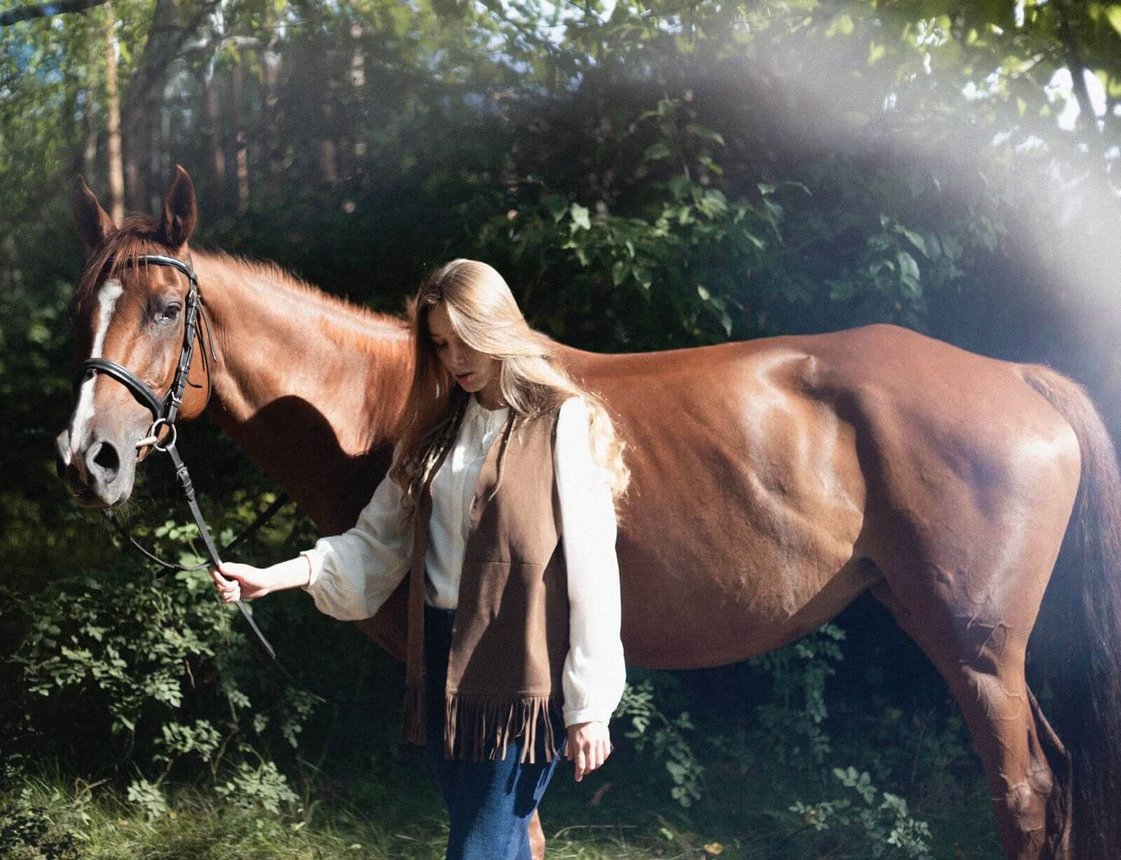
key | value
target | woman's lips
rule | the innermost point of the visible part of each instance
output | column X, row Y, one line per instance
column 464, row 378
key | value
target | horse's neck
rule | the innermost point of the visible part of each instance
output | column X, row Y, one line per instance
column 309, row 387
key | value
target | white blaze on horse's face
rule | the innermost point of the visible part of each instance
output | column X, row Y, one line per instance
column 79, row 423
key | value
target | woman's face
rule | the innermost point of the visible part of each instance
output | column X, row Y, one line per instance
column 474, row 371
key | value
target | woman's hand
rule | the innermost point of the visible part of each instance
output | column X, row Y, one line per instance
column 245, row 582
column 230, row 577
column 589, row 745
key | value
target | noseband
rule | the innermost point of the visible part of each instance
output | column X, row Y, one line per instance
column 164, row 411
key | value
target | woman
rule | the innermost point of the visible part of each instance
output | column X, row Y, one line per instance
column 500, row 506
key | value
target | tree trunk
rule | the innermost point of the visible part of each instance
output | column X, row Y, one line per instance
column 323, row 136
column 270, row 151
column 241, row 156
column 174, row 25
column 1073, row 58
column 216, row 155
column 113, row 121
column 159, row 148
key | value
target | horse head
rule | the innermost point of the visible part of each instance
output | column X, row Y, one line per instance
column 133, row 314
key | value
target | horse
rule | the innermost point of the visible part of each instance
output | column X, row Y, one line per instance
column 773, row 482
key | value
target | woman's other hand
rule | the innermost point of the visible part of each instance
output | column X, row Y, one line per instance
column 589, row 745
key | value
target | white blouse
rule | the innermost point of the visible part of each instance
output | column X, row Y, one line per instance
column 354, row 573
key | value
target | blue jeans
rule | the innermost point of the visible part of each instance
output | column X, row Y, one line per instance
column 489, row 803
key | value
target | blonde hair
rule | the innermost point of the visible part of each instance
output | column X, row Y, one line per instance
column 486, row 317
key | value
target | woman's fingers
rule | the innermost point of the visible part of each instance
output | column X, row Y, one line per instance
column 229, row 589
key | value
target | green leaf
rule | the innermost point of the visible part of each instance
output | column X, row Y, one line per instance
column 619, row 272
column 916, row 240
column 580, row 216
column 556, row 206
column 705, row 132
column 908, row 272
column 1113, row 15
column 710, row 165
column 755, row 240
column 842, row 25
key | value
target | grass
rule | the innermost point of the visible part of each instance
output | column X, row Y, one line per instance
column 389, row 810
column 44, row 819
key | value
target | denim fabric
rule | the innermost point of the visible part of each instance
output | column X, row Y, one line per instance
column 489, row 803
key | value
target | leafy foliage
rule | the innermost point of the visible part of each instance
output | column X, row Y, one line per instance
column 146, row 669
column 881, row 822
column 792, row 722
column 664, row 736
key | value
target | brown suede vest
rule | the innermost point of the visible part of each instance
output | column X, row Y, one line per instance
column 510, row 637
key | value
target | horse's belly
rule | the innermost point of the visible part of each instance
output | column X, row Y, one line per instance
column 721, row 597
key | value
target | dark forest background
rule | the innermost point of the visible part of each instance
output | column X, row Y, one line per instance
column 647, row 175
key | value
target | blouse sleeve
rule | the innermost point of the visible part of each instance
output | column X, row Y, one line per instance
column 354, row 573
column 594, row 670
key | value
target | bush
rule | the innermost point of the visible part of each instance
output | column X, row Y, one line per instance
column 126, row 671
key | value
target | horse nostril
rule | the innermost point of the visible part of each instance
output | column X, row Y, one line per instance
column 106, row 460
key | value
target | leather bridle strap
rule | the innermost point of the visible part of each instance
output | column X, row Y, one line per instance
column 124, row 376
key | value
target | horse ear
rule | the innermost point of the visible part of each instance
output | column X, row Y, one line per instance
column 93, row 222
column 180, row 210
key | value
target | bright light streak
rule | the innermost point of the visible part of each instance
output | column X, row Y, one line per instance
column 1061, row 89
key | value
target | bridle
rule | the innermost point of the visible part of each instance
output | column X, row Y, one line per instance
column 165, row 411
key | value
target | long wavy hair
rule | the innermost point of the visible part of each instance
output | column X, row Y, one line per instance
column 486, row 317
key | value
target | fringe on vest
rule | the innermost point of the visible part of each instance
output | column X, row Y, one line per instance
column 482, row 730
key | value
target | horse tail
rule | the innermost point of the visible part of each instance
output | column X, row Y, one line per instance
column 1081, row 619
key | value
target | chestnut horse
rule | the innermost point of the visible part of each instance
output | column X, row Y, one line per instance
column 774, row 481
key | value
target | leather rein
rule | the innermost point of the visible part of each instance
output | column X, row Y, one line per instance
column 164, row 413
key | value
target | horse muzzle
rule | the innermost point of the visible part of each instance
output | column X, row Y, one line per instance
column 96, row 473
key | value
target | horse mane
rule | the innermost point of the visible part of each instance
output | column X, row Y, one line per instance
column 347, row 324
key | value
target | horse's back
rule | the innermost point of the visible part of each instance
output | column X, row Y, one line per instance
column 769, row 474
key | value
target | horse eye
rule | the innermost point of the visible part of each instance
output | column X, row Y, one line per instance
column 168, row 313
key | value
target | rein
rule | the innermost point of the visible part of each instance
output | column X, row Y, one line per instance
column 261, row 519
column 166, row 410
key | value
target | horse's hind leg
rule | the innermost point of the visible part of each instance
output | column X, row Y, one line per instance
column 968, row 504
column 981, row 656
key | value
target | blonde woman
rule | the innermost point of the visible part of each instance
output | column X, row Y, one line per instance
column 500, row 506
